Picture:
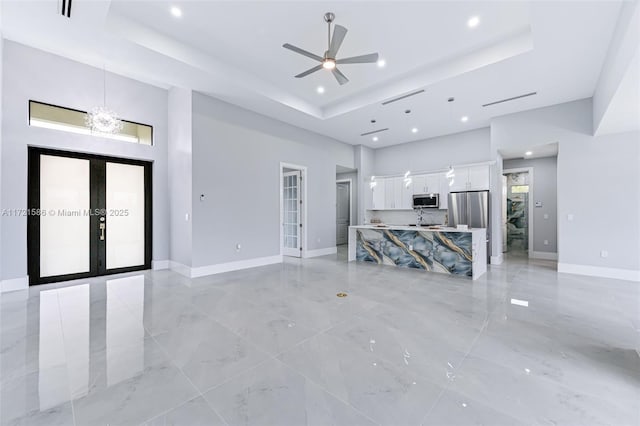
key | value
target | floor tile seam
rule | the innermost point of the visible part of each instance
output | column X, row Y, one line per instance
column 421, row 376
column 244, row 339
column 443, row 390
column 200, row 393
column 548, row 381
column 144, row 422
column 164, row 351
column 66, row 358
column 236, row 375
column 324, row 389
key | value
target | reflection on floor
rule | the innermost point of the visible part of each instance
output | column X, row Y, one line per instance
column 275, row 346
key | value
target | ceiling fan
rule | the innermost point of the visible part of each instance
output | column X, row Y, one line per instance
column 328, row 61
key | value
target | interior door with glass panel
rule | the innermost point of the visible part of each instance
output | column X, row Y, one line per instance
column 343, row 212
column 88, row 216
column 291, row 224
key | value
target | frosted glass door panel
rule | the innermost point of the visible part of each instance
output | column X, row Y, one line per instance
column 64, row 229
column 125, row 215
column 291, row 211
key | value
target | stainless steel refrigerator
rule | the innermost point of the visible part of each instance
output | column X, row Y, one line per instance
column 471, row 208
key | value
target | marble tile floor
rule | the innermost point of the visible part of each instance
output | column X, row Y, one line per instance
column 523, row 345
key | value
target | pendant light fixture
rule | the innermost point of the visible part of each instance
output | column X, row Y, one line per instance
column 102, row 119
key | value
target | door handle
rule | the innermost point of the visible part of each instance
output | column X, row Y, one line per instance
column 102, row 228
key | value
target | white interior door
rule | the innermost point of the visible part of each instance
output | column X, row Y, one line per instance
column 291, row 223
column 343, row 212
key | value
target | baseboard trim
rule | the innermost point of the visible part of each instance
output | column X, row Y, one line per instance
column 219, row 268
column 320, row 252
column 544, row 255
column 598, row 271
column 180, row 268
column 14, row 284
column 497, row 260
column 156, row 265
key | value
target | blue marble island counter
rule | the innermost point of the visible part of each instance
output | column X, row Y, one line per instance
column 443, row 250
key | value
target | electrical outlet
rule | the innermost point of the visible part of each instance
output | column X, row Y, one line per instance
column 186, row 217
column 546, row 216
column 570, row 217
column 604, row 254
column 546, row 242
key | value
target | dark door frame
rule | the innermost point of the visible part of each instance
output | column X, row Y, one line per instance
column 97, row 202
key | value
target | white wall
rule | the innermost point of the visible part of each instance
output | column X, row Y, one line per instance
column 33, row 74
column 364, row 159
column 236, row 164
column 545, row 184
column 434, row 154
column 598, row 183
column 180, row 174
column 624, row 47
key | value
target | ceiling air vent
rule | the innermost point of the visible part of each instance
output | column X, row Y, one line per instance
column 510, row 99
column 65, row 8
column 399, row 98
column 375, row 131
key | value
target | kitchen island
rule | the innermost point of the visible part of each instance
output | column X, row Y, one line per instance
column 436, row 249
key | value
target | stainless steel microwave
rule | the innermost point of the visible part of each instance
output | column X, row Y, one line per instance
column 426, row 201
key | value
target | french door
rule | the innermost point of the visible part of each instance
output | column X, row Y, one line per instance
column 88, row 215
column 291, row 224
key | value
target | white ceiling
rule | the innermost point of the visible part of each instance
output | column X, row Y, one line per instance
column 233, row 50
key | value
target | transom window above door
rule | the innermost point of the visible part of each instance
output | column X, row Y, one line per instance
column 74, row 121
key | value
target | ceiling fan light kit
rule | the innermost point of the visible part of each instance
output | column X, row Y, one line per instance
column 328, row 61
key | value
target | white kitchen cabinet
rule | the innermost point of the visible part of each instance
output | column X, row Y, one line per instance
column 407, row 196
column 426, row 184
column 389, row 193
column 472, row 178
column 419, row 183
column 478, row 178
column 379, row 194
column 396, row 195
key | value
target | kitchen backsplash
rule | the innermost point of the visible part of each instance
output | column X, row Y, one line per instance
column 406, row 217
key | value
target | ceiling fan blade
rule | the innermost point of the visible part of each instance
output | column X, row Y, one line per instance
column 302, row 52
column 309, row 71
column 363, row 59
column 336, row 41
column 342, row 79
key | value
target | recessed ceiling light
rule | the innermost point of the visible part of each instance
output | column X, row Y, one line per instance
column 375, row 139
column 414, row 130
column 381, row 63
column 528, row 153
column 473, row 22
column 464, row 119
column 320, row 89
column 175, row 11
